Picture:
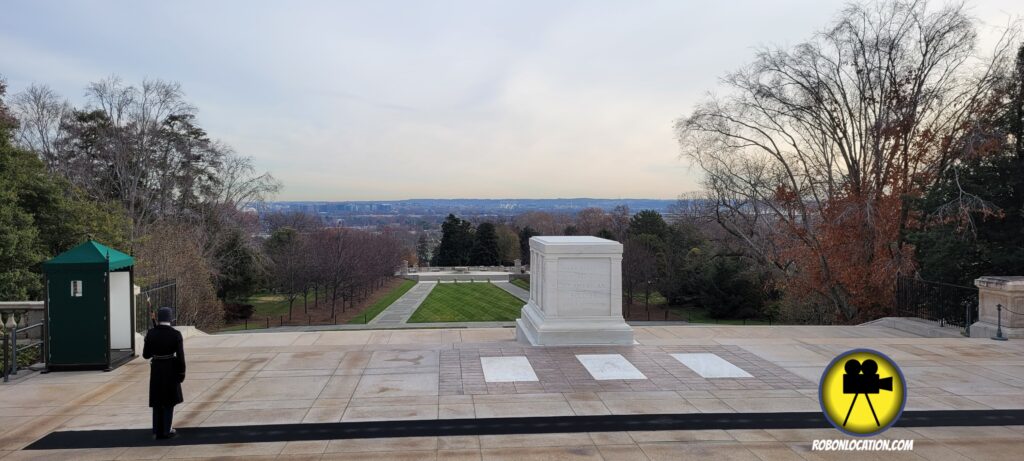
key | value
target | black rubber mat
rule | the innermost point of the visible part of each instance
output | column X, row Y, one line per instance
column 491, row 426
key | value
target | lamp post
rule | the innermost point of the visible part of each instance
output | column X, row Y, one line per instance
column 999, row 324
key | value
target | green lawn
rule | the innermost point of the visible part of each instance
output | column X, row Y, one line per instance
column 383, row 303
column 700, row 315
column 522, row 283
column 692, row 314
column 467, row 302
column 271, row 305
column 265, row 305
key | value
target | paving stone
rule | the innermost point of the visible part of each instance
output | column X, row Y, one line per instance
column 261, row 378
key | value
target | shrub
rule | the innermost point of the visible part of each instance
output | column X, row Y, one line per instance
column 238, row 311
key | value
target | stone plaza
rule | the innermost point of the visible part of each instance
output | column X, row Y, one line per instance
column 571, row 355
column 377, row 375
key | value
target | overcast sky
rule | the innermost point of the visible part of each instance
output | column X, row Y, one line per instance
column 440, row 99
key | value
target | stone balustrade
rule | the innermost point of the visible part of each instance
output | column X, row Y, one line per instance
column 25, row 313
column 1005, row 291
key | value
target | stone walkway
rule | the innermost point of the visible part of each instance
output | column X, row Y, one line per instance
column 520, row 293
column 399, row 311
column 395, row 326
column 366, row 375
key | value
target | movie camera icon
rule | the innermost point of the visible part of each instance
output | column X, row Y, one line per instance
column 862, row 378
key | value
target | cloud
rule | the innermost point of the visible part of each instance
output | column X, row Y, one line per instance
column 396, row 99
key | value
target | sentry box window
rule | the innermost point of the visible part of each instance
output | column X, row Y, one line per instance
column 76, row 288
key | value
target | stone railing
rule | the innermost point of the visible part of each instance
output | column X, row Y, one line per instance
column 22, row 325
column 25, row 313
column 1000, row 308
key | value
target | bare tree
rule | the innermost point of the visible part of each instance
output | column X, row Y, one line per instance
column 171, row 252
column 287, row 262
column 346, row 265
column 42, row 113
column 544, row 222
column 639, row 269
column 590, row 221
column 619, row 221
column 809, row 155
column 302, row 222
column 136, row 116
column 508, row 244
column 228, row 205
column 335, row 256
column 239, row 184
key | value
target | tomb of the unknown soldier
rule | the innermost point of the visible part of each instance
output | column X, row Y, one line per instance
column 575, row 293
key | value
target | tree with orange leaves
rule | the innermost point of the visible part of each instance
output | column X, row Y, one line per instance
column 812, row 154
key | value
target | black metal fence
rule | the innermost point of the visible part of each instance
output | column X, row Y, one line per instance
column 151, row 298
column 19, row 350
column 260, row 323
column 945, row 303
column 5, row 359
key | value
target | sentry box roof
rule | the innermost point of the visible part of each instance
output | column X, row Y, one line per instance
column 90, row 254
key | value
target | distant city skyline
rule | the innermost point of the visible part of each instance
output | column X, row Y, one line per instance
column 477, row 205
column 395, row 100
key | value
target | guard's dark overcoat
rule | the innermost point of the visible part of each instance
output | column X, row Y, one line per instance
column 165, row 374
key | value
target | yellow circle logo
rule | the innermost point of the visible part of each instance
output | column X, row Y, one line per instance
column 862, row 392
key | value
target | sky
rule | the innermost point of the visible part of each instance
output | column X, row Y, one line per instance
column 390, row 100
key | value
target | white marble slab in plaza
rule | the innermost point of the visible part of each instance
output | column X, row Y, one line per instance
column 609, row 366
column 507, row 369
column 711, row 366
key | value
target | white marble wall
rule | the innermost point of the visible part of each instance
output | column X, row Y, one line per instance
column 575, row 293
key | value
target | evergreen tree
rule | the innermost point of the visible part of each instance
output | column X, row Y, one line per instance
column 19, row 247
column 41, row 216
column 974, row 215
column 485, row 246
column 524, row 243
column 685, row 251
column 456, row 242
column 17, row 254
column 605, row 234
column 729, row 289
column 648, row 222
column 240, row 278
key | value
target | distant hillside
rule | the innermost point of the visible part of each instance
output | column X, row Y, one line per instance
column 499, row 206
